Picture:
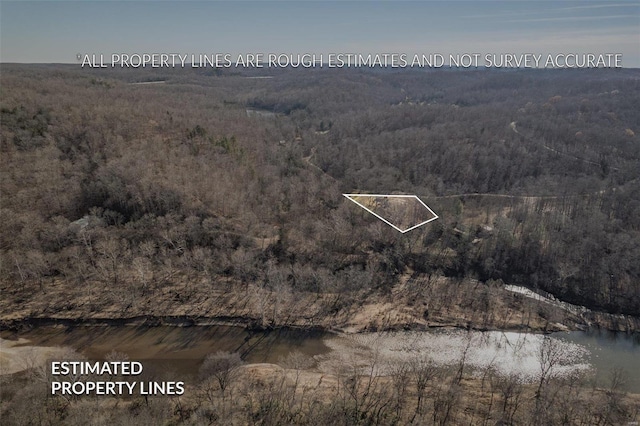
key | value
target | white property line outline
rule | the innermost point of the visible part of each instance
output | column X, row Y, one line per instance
column 435, row 216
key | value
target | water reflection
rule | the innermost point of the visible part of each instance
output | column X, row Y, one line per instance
column 182, row 349
column 609, row 350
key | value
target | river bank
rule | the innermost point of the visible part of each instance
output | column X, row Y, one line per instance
column 410, row 305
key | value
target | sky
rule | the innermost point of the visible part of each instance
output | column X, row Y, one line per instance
column 57, row 31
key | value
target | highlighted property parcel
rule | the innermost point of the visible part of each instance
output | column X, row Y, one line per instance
column 401, row 212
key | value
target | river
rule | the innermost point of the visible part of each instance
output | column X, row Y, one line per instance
column 182, row 349
column 609, row 350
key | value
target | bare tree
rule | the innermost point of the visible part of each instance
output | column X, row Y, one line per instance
column 400, row 374
column 423, row 371
column 550, row 354
column 222, row 366
column 511, row 390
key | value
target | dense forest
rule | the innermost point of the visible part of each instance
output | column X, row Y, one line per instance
column 119, row 184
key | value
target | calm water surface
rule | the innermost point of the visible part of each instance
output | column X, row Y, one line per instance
column 182, row 349
column 608, row 351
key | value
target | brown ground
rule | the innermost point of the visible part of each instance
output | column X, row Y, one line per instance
column 14, row 357
column 410, row 304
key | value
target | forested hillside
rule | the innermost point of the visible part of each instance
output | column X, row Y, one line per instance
column 115, row 191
